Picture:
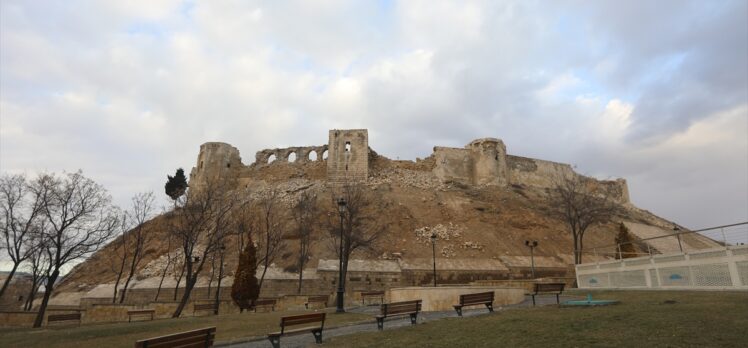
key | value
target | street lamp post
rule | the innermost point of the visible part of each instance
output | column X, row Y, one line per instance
column 532, row 245
column 341, row 289
column 220, row 275
column 433, row 250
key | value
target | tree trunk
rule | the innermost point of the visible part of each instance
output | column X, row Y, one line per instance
column 179, row 280
column 10, row 276
column 47, row 294
column 35, row 283
column 301, row 277
column 133, row 268
column 185, row 297
column 166, row 268
column 262, row 278
column 160, row 283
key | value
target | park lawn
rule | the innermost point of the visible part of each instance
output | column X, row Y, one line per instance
column 643, row 319
column 229, row 327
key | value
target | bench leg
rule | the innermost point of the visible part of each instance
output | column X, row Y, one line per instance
column 489, row 306
column 557, row 301
column 413, row 318
column 275, row 341
column 459, row 311
column 380, row 324
column 533, row 300
column 317, row 336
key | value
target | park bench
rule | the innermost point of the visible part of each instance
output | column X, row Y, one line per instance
column 374, row 294
column 397, row 309
column 203, row 307
column 547, row 288
column 297, row 320
column 316, row 299
column 267, row 302
column 64, row 317
column 188, row 339
column 481, row 298
column 137, row 312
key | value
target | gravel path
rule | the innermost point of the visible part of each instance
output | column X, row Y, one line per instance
column 305, row 340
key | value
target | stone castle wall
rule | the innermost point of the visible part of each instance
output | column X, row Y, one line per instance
column 346, row 158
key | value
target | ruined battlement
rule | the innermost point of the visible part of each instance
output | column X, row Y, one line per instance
column 346, row 158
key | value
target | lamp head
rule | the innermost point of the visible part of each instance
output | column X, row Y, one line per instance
column 341, row 205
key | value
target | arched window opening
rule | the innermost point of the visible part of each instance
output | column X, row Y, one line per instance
column 312, row 155
column 292, row 157
column 324, row 155
column 347, row 146
column 272, row 158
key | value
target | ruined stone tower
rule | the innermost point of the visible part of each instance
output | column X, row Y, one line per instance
column 348, row 155
column 216, row 161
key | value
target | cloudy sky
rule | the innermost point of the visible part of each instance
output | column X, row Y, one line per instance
column 652, row 91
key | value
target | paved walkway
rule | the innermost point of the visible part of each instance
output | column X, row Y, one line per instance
column 305, row 340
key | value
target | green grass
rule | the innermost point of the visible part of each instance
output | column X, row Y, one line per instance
column 229, row 327
column 697, row 319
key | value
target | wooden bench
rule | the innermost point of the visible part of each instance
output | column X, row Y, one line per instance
column 375, row 294
column 268, row 302
column 316, row 299
column 481, row 298
column 548, row 288
column 189, row 339
column 203, row 307
column 64, row 317
column 131, row 313
column 397, row 309
column 296, row 320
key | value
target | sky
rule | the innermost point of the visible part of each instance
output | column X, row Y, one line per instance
column 652, row 91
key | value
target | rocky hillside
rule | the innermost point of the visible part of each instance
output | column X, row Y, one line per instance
column 471, row 222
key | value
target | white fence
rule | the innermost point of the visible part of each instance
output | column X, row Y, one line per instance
column 715, row 268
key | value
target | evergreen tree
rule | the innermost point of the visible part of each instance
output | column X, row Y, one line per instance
column 245, row 289
column 176, row 185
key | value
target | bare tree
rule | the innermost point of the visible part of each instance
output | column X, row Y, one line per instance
column 580, row 203
column 141, row 211
column 270, row 231
column 305, row 214
column 203, row 222
column 19, row 210
column 360, row 230
column 80, row 220
column 118, row 259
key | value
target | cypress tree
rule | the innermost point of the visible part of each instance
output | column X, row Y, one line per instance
column 245, row 289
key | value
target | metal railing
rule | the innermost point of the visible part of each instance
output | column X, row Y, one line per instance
column 725, row 235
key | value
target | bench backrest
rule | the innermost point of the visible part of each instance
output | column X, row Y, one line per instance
column 201, row 307
column 296, row 320
column 265, row 302
column 189, row 339
column 141, row 311
column 64, row 317
column 319, row 298
column 372, row 293
column 549, row 287
column 481, row 297
column 401, row 307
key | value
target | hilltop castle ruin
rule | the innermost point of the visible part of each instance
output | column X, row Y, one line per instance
column 347, row 157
